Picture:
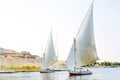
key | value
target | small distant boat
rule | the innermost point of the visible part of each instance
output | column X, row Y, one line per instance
column 1, row 64
column 83, row 49
column 7, row 71
column 72, row 73
column 49, row 57
column 47, row 71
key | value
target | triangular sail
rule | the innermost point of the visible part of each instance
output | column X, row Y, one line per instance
column 70, row 63
column 85, row 43
column 49, row 56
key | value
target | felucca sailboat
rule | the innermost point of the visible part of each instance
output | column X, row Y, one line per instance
column 83, row 50
column 49, row 56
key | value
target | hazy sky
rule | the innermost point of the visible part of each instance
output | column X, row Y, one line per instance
column 25, row 25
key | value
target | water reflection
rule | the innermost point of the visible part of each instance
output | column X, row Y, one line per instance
column 18, row 76
column 98, row 74
column 47, row 76
column 78, row 78
column 11, row 78
column 54, row 76
column 39, row 76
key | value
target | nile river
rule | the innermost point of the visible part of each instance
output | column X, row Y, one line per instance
column 98, row 74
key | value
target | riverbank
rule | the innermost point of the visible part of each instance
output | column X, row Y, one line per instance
column 22, row 68
column 60, row 65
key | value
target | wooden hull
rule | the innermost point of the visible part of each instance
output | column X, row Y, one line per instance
column 47, row 71
column 75, row 73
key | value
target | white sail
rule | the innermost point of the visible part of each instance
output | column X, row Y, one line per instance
column 70, row 63
column 49, row 56
column 85, row 43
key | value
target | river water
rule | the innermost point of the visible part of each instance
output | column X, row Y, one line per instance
column 98, row 74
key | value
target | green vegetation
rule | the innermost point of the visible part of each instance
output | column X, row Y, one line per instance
column 37, row 68
column 104, row 64
column 92, row 64
column 22, row 68
column 112, row 64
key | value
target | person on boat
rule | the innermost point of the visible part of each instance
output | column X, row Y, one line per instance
column 80, row 69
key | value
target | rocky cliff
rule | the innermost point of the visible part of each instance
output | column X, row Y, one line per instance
column 14, row 58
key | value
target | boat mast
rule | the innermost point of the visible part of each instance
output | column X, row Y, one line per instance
column 75, row 54
column 57, row 47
